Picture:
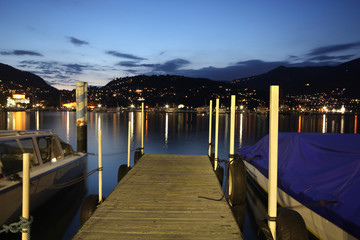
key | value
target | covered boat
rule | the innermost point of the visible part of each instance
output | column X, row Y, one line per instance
column 53, row 164
column 318, row 176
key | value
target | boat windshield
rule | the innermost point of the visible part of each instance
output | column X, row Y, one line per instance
column 49, row 149
column 67, row 149
column 11, row 155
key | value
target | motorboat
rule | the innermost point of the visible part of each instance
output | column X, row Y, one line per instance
column 53, row 166
column 318, row 176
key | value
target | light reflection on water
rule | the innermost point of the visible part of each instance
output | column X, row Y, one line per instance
column 165, row 133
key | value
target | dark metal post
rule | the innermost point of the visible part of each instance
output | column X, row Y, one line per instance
column 81, row 116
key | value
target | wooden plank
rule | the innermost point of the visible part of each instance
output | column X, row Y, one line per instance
column 160, row 198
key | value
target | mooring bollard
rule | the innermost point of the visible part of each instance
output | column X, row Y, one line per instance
column 129, row 143
column 26, row 193
column 81, row 116
column 100, row 162
column 216, row 133
column 210, row 126
column 273, row 158
column 142, row 128
column 232, row 128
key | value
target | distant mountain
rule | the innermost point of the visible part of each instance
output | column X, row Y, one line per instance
column 301, row 80
column 26, row 82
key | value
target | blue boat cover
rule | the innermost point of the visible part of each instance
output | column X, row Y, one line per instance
column 321, row 171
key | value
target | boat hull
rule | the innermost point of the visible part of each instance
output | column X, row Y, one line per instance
column 44, row 183
column 318, row 226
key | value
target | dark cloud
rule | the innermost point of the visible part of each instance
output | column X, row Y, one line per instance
column 41, row 67
column 128, row 64
column 135, row 64
column 332, row 58
column 22, row 52
column 73, row 68
column 132, row 71
column 124, row 55
column 171, row 65
column 52, row 69
column 333, row 48
column 77, row 42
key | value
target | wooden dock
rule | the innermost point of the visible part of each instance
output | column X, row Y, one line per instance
column 160, row 198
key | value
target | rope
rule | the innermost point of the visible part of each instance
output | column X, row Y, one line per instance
column 74, row 181
column 213, row 199
column 22, row 226
column 110, row 154
column 227, row 163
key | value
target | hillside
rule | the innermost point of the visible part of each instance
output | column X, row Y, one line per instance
column 168, row 89
column 301, row 80
column 33, row 85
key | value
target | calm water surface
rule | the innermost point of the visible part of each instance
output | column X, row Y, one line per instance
column 165, row 133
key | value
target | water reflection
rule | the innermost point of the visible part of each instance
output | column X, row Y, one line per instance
column 17, row 121
column 37, row 121
column 166, row 130
column 324, row 123
column 131, row 119
column 355, row 124
column 67, row 126
column 241, row 130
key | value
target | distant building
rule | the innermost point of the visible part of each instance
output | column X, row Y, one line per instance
column 71, row 105
column 18, row 101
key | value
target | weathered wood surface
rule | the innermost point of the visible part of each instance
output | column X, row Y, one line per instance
column 159, row 199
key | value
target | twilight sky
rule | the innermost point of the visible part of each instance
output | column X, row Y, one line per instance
column 65, row 41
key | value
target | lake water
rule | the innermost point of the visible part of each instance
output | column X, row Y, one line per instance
column 164, row 133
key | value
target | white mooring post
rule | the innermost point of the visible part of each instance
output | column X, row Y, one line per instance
column 26, row 192
column 100, row 162
column 129, row 137
column 142, row 128
column 210, row 125
column 216, row 133
column 273, row 158
column 232, row 127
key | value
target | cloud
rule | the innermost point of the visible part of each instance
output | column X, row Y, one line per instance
column 124, row 55
column 332, row 58
column 171, row 65
column 156, row 68
column 132, row 71
column 22, row 52
column 41, row 67
column 73, row 68
column 333, row 48
column 77, row 42
column 135, row 64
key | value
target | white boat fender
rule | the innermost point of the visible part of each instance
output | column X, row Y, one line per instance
column 88, row 207
column 123, row 170
column 290, row 225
